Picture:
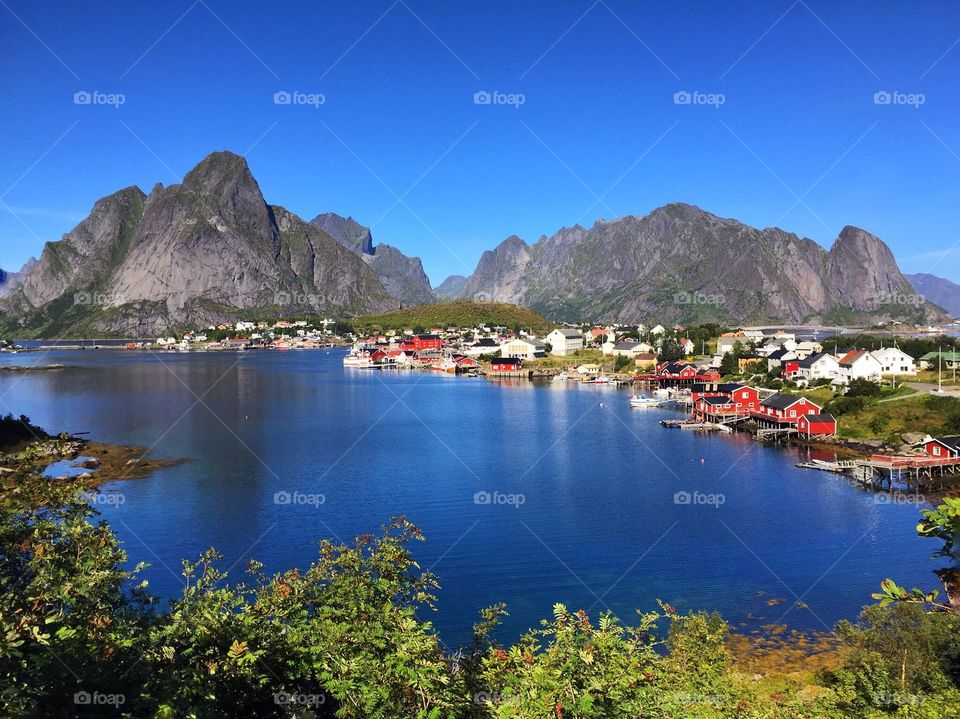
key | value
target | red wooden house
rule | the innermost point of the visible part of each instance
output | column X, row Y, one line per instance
column 783, row 410
column 817, row 425
column 506, row 364
column 943, row 447
column 426, row 342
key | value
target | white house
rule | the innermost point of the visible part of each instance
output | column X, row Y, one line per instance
column 895, row 361
column 658, row 330
column 728, row 341
column 817, row 366
column 859, row 364
column 806, row 348
column 564, row 342
column 523, row 349
column 687, row 345
column 629, row 348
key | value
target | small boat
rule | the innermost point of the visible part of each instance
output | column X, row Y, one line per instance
column 563, row 376
column 642, row 402
column 602, row 379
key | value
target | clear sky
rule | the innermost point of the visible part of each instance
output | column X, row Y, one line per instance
column 784, row 126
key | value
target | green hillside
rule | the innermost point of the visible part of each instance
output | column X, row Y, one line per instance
column 459, row 313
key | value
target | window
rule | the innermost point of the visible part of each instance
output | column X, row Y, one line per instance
column 793, row 413
column 936, row 450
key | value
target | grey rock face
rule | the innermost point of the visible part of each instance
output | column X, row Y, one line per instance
column 10, row 281
column 940, row 291
column 682, row 263
column 402, row 276
column 451, row 288
column 197, row 253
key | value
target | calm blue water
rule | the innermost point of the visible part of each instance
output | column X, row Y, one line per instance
column 598, row 526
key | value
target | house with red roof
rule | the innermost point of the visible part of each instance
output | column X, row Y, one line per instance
column 859, row 364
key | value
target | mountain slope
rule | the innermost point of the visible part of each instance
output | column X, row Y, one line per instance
column 402, row 276
column 451, row 288
column 205, row 251
column 938, row 290
column 682, row 263
column 10, row 281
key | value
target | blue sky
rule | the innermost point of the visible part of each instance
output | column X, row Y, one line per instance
column 785, row 129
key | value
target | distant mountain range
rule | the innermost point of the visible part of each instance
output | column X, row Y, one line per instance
column 941, row 292
column 211, row 250
column 680, row 263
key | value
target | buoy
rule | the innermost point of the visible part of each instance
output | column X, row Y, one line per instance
column 703, row 461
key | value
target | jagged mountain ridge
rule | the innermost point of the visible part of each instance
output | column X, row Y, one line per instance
column 207, row 250
column 402, row 276
column 938, row 290
column 680, row 262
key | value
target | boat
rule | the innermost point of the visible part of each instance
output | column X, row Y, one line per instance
column 602, row 379
column 563, row 376
column 357, row 358
column 642, row 402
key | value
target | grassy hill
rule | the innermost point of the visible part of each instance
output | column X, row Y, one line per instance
column 459, row 313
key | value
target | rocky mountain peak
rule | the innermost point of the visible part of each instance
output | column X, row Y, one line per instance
column 347, row 231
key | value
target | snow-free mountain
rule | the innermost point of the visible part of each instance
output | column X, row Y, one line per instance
column 938, row 290
column 211, row 250
column 204, row 251
column 682, row 263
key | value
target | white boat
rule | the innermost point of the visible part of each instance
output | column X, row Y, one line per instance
column 358, row 358
column 563, row 376
column 602, row 379
column 642, row 402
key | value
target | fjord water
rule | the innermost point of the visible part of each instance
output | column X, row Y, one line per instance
column 593, row 520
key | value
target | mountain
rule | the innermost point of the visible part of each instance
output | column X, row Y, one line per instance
column 938, row 290
column 451, row 288
column 10, row 281
column 205, row 251
column 403, row 276
column 681, row 263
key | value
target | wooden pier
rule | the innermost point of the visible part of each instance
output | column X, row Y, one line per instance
column 913, row 472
